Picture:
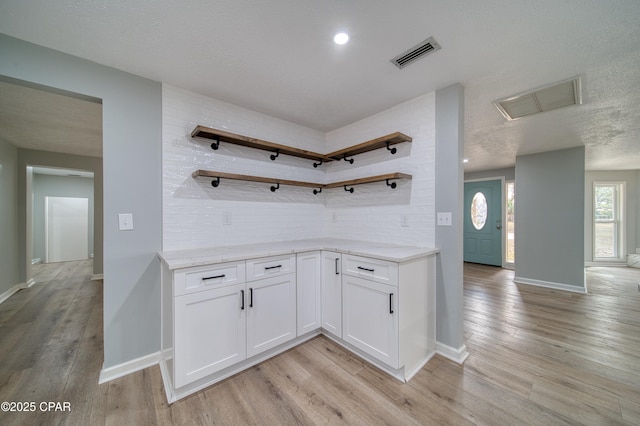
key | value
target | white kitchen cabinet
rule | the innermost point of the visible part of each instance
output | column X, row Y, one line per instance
column 388, row 311
column 220, row 318
column 370, row 318
column 271, row 312
column 332, row 293
column 210, row 332
column 309, row 286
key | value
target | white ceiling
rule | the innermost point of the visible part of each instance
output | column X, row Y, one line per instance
column 278, row 58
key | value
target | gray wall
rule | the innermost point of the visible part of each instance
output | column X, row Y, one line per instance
column 630, row 177
column 508, row 173
column 449, row 192
column 132, row 126
column 58, row 186
column 550, row 217
column 9, row 276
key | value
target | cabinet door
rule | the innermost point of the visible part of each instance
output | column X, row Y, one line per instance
column 370, row 318
column 210, row 332
column 271, row 313
column 332, row 293
column 308, row 284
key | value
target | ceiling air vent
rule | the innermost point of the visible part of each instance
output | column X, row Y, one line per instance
column 556, row 95
column 418, row 51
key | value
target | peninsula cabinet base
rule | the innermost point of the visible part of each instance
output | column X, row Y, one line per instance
column 175, row 394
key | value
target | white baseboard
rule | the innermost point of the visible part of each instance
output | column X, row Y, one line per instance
column 548, row 284
column 456, row 355
column 7, row 294
column 605, row 264
column 97, row 277
column 111, row 373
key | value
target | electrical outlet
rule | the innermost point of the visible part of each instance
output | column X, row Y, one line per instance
column 404, row 221
column 334, row 218
column 226, row 218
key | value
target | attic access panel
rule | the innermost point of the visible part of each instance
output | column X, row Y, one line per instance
column 547, row 98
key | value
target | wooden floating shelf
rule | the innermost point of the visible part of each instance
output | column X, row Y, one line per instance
column 343, row 154
column 222, row 136
column 275, row 181
column 382, row 142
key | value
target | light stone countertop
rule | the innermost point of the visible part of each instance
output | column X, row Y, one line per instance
column 209, row 256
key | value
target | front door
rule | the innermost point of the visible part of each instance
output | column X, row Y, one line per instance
column 483, row 222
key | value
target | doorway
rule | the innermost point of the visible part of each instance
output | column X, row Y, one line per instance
column 66, row 225
column 483, row 222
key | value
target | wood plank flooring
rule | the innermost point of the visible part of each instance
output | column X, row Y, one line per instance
column 537, row 357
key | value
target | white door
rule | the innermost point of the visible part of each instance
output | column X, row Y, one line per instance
column 370, row 318
column 271, row 313
column 332, row 293
column 309, row 276
column 66, row 229
column 210, row 332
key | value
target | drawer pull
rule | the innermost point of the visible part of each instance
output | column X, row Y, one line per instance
column 213, row 278
column 391, row 303
column 365, row 269
column 242, row 297
column 272, row 267
column 251, row 298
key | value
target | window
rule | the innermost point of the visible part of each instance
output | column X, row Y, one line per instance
column 510, row 215
column 608, row 222
column 479, row 211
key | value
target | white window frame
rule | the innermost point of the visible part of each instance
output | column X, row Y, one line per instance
column 619, row 220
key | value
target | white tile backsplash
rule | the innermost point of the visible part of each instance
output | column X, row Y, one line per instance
column 193, row 211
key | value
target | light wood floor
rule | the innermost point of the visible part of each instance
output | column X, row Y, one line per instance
column 538, row 356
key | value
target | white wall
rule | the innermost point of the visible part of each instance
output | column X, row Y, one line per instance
column 194, row 211
column 374, row 212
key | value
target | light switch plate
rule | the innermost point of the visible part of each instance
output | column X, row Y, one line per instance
column 125, row 221
column 444, row 219
column 404, row 221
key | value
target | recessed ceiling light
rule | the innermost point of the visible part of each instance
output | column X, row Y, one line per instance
column 341, row 38
column 466, row 160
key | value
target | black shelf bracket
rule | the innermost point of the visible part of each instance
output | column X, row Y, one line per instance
column 348, row 160
column 317, row 164
column 391, row 150
column 215, row 182
column 216, row 144
column 348, row 189
column 392, row 184
column 275, row 188
column 317, row 191
column 274, row 156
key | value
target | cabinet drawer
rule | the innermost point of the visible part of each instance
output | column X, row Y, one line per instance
column 377, row 270
column 270, row 266
column 191, row 280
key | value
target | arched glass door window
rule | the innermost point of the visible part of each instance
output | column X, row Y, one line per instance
column 479, row 211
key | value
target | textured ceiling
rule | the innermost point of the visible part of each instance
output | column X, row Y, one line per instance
column 33, row 118
column 278, row 58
